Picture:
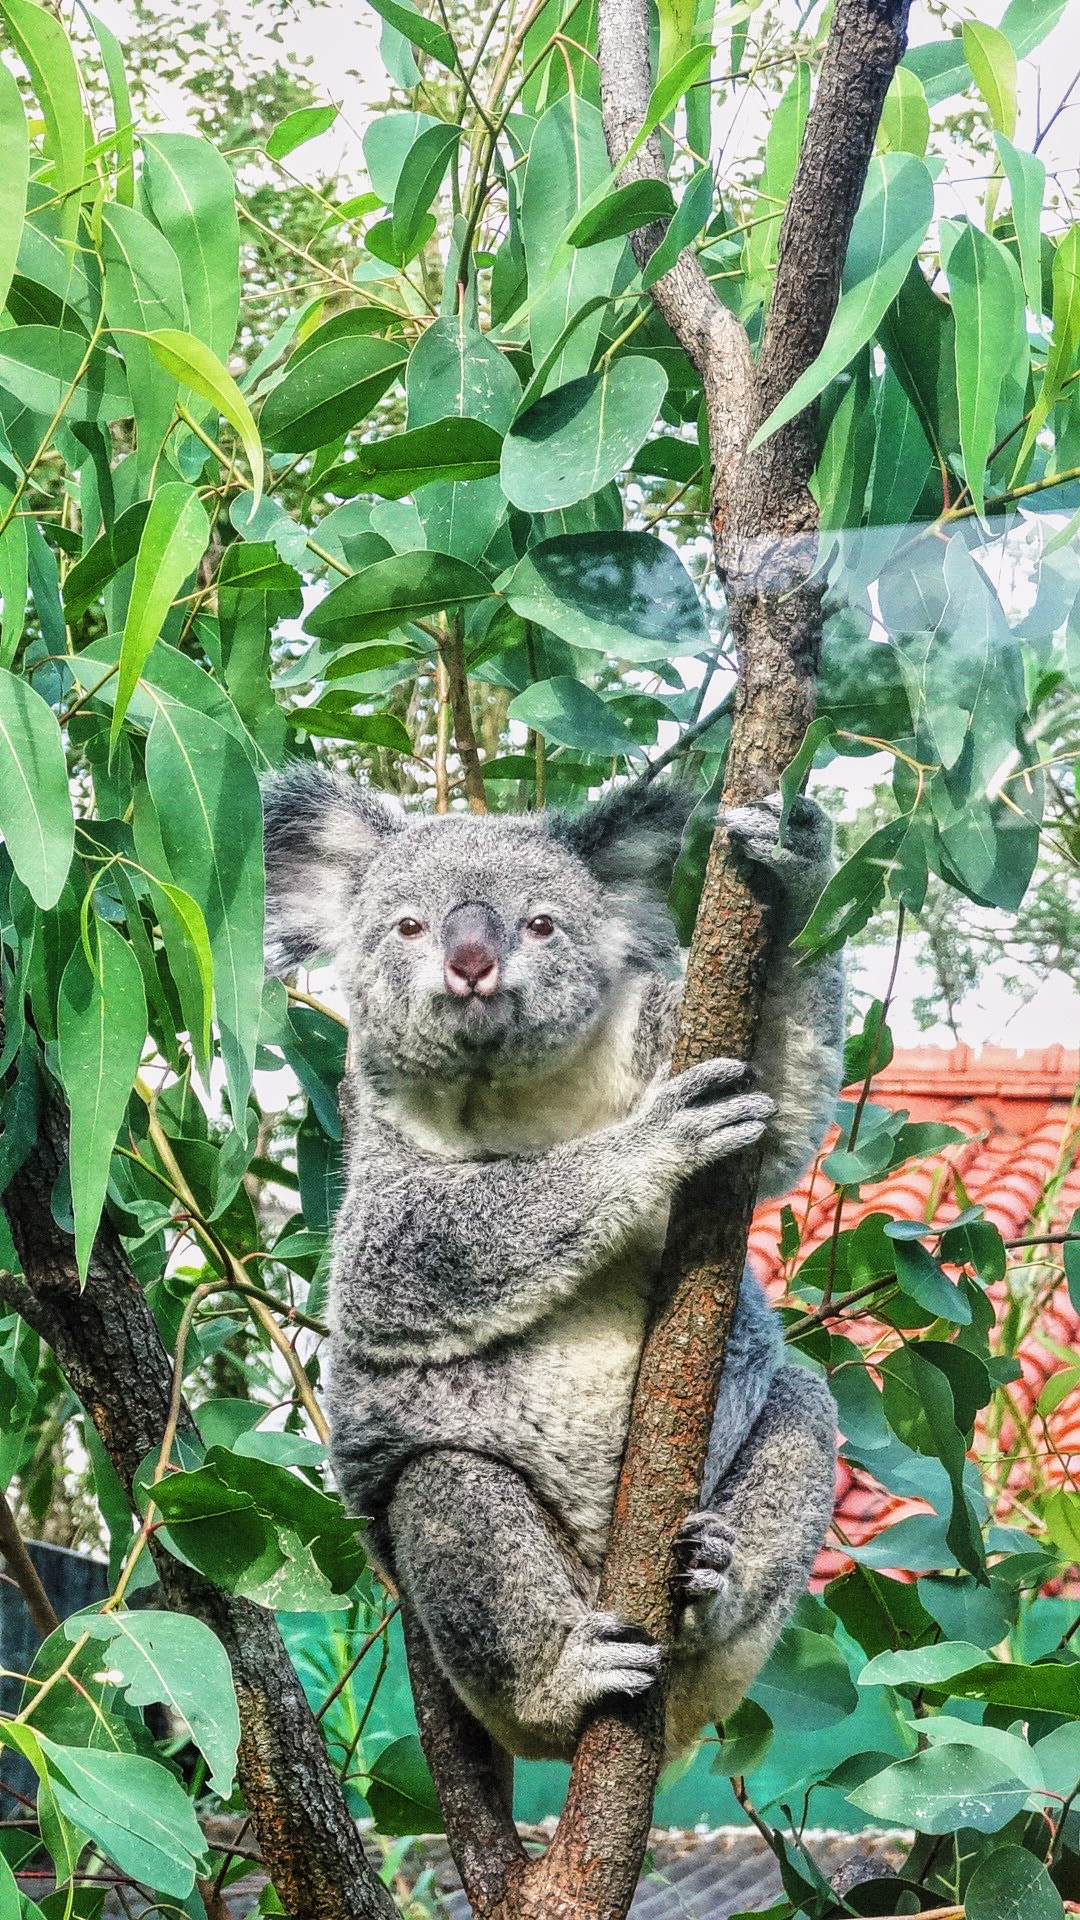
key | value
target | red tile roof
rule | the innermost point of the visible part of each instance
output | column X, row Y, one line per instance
column 1021, row 1163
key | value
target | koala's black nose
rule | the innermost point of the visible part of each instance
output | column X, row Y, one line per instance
column 471, row 952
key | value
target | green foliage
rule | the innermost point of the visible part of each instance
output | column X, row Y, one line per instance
column 370, row 465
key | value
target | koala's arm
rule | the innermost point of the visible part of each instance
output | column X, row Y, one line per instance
column 799, row 1055
column 435, row 1257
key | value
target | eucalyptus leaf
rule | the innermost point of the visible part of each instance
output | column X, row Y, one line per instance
column 331, row 387
column 627, row 593
column 889, row 228
column 172, row 543
column 36, row 819
column 101, row 1024
column 578, row 437
column 175, row 1659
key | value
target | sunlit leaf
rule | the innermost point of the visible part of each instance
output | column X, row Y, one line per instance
column 193, row 365
column 172, row 543
column 306, row 123
column 41, row 40
column 889, row 228
column 993, row 62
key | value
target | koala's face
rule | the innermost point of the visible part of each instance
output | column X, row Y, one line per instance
column 477, row 945
column 467, row 946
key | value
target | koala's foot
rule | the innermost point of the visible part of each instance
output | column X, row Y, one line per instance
column 710, row 1112
column 703, row 1550
column 604, row 1654
column 755, row 830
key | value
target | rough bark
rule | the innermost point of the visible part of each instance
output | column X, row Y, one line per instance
column 107, row 1343
column 765, row 531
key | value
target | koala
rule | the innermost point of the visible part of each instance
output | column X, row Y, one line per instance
column 515, row 1139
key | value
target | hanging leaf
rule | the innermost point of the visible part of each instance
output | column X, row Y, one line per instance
column 454, row 370
column 623, row 210
column 419, row 181
column 1065, row 342
column 786, row 127
column 410, row 586
column 193, row 199
column 578, row 437
column 112, row 59
column 135, row 1809
column 888, row 230
column 627, row 593
column 102, row 561
column 423, row 33
column 174, row 1659
column 193, row 365
column 143, row 290
column 567, row 163
column 946, row 1787
column 993, row 63
column 14, row 175
column 905, row 118
column 35, row 805
column 445, row 450
column 173, row 542
column 400, row 1791
column 14, row 577
column 209, row 812
column 1027, row 181
column 41, row 41
column 191, row 960
column 691, row 215
column 984, row 286
column 101, row 1025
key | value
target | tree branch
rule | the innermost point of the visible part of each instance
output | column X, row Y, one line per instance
column 106, row 1341
column 765, row 528
column 24, row 1573
column 713, row 340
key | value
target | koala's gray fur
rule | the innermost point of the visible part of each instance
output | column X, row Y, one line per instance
column 511, row 1160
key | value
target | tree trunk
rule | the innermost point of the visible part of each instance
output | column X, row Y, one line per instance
column 107, row 1343
column 765, row 528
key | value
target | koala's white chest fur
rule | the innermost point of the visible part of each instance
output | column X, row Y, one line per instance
column 568, row 1401
column 593, row 1088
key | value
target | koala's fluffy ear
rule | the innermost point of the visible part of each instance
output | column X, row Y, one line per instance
column 322, row 831
column 630, row 838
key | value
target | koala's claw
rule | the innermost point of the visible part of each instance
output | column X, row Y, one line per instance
column 755, row 830
column 606, row 1653
column 709, row 1119
column 703, row 1550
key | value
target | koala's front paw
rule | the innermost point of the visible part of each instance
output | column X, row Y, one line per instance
column 703, row 1549
column 708, row 1119
column 755, row 830
column 605, row 1654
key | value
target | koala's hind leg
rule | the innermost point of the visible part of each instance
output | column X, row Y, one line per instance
column 745, row 1558
column 503, row 1601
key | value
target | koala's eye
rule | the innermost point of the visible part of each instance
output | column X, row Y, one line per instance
column 409, row 928
column 541, row 926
